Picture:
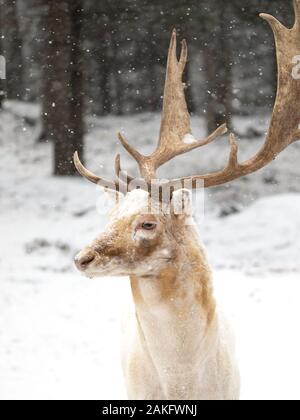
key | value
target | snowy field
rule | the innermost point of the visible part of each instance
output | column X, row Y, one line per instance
column 60, row 333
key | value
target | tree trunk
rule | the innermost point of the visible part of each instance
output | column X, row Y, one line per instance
column 119, row 85
column 2, row 78
column 63, row 84
column 2, row 92
column 218, row 67
column 105, row 83
column 11, row 46
column 154, row 92
column 77, row 100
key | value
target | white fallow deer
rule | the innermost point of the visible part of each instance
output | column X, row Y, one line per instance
column 179, row 347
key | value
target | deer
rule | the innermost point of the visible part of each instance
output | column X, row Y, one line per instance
column 177, row 344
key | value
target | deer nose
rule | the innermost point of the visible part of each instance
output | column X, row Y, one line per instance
column 84, row 259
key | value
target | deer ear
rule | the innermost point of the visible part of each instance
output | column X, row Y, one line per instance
column 181, row 204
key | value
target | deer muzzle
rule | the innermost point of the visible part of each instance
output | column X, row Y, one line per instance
column 84, row 259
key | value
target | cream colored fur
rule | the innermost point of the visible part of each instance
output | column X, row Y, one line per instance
column 176, row 345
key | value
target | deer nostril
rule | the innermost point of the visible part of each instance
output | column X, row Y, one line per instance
column 83, row 262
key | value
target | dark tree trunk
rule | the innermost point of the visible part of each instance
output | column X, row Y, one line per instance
column 11, row 48
column 105, row 69
column 2, row 92
column 94, row 27
column 154, row 93
column 63, row 84
column 77, row 100
column 218, row 68
column 48, row 95
column 2, row 79
column 119, row 85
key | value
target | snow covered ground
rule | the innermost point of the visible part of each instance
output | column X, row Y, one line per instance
column 59, row 332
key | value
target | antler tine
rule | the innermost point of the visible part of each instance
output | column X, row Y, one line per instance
column 175, row 116
column 276, row 26
column 297, row 12
column 131, row 182
column 147, row 170
column 219, row 132
column 119, row 172
column 134, row 153
column 160, row 157
column 118, row 165
column 183, row 55
column 233, row 157
column 85, row 173
column 175, row 132
column 172, row 56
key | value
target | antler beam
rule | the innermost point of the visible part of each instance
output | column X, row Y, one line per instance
column 85, row 173
column 175, row 132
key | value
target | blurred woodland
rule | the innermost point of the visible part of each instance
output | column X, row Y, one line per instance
column 99, row 57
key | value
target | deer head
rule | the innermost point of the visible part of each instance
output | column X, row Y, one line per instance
column 141, row 238
column 134, row 240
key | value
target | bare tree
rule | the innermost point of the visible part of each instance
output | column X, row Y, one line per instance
column 2, row 92
column 77, row 99
column 63, row 97
column 218, row 69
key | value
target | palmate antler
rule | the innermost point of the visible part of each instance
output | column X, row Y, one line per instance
column 175, row 133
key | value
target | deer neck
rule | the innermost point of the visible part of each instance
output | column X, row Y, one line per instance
column 175, row 308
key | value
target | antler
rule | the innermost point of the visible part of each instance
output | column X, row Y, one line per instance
column 111, row 185
column 285, row 123
column 175, row 132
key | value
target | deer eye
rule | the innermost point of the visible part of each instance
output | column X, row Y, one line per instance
column 149, row 226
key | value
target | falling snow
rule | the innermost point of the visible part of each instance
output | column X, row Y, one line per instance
column 60, row 332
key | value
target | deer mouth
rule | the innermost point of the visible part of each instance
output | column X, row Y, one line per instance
column 92, row 265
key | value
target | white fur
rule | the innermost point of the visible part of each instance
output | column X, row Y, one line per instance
column 166, row 358
column 176, row 347
column 135, row 201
